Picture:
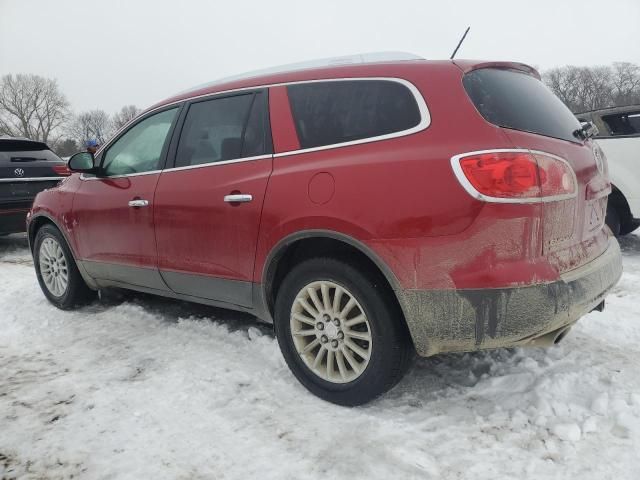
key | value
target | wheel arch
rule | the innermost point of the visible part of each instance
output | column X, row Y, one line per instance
column 618, row 200
column 41, row 219
column 36, row 223
column 311, row 243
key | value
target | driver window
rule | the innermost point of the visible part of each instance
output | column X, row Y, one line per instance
column 140, row 148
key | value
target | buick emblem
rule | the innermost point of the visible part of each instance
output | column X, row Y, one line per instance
column 18, row 172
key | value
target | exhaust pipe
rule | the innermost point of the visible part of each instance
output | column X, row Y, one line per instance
column 549, row 339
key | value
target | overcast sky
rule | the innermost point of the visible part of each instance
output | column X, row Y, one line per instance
column 109, row 53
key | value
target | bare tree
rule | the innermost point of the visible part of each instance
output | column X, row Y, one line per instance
column 626, row 83
column 563, row 81
column 126, row 114
column 31, row 106
column 590, row 88
column 64, row 148
column 91, row 125
column 594, row 87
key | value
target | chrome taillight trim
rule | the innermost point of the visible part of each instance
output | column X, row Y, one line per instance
column 471, row 190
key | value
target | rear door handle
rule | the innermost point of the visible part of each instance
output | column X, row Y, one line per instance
column 138, row 203
column 238, row 198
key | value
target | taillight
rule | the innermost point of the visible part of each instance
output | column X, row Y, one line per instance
column 601, row 161
column 515, row 176
column 62, row 170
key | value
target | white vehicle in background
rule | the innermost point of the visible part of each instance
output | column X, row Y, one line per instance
column 619, row 139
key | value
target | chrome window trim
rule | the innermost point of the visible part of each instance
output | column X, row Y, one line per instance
column 31, row 179
column 125, row 175
column 471, row 190
column 425, row 114
column 187, row 167
column 425, row 117
column 223, row 162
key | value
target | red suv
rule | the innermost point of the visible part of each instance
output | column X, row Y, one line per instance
column 368, row 210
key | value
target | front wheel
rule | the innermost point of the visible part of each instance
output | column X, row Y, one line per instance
column 340, row 331
column 57, row 271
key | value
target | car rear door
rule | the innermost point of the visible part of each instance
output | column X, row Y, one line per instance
column 113, row 212
column 208, row 206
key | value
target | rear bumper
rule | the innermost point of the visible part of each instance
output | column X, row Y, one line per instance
column 475, row 319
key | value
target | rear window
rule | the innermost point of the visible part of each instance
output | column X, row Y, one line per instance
column 516, row 100
column 623, row 123
column 327, row 113
column 18, row 151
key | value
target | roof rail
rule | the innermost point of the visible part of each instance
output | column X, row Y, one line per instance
column 360, row 58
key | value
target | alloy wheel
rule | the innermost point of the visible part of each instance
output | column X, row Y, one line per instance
column 331, row 332
column 53, row 267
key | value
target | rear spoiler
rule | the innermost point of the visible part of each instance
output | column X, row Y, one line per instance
column 470, row 65
column 18, row 145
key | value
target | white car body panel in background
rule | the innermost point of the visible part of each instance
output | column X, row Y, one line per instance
column 623, row 156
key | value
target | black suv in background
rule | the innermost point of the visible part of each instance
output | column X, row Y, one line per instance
column 26, row 168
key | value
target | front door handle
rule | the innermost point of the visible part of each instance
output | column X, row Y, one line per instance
column 238, row 198
column 138, row 203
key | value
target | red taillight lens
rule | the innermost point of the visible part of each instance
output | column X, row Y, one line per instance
column 515, row 175
column 62, row 170
column 556, row 176
column 502, row 174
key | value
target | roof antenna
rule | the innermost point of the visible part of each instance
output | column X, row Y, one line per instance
column 460, row 43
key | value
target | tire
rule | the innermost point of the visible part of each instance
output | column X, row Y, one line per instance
column 373, row 315
column 613, row 220
column 52, row 262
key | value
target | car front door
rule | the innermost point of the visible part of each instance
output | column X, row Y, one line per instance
column 208, row 205
column 113, row 211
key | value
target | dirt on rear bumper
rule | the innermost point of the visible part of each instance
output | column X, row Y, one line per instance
column 466, row 320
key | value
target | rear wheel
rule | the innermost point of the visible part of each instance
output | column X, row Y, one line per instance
column 57, row 271
column 629, row 226
column 340, row 332
column 613, row 220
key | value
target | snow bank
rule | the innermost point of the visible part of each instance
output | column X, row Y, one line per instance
column 139, row 387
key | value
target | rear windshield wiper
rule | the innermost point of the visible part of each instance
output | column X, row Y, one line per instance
column 587, row 130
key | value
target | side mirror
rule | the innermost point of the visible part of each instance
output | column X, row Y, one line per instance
column 82, row 162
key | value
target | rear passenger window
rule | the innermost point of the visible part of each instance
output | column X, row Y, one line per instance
column 224, row 129
column 331, row 112
column 623, row 123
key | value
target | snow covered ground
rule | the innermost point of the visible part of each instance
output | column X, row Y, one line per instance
column 144, row 388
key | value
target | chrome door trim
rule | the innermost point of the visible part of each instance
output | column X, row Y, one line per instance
column 150, row 172
column 187, row 167
column 214, row 164
column 31, row 179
